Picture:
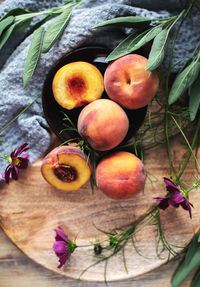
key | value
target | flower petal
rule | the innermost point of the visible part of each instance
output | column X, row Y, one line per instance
column 172, row 189
column 60, row 235
column 13, row 154
column 163, row 202
column 173, row 203
column 21, row 149
column 177, row 197
column 62, row 259
column 170, row 183
column 186, row 205
column 14, row 172
column 6, row 173
column 60, row 247
column 159, row 198
column 24, row 159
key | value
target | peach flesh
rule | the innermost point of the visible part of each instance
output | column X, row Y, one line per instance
column 128, row 83
column 77, row 84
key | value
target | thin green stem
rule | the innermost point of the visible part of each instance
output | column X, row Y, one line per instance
column 165, row 19
column 176, row 19
column 190, row 153
column 190, row 146
column 26, row 108
column 4, row 157
column 149, row 220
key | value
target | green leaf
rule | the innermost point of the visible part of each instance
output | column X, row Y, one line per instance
column 128, row 21
column 184, row 80
column 38, row 24
column 21, row 25
column 196, row 280
column 33, row 55
column 121, row 49
column 194, row 98
column 5, row 23
column 157, row 52
column 15, row 12
column 192, row 260
column 5, row 36
column 55, row 30
column 192, row 248
column 144, row 38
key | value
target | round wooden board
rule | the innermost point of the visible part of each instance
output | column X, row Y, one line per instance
column 30, row 210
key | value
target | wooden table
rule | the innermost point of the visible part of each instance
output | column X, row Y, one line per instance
column 17, row 270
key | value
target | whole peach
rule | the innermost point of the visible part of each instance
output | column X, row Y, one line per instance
column 128, row 83
column 103, row 123
column 120, row 175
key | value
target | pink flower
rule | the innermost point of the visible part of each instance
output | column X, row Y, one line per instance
column 174, row 197
column 16, row 162
column 63, row 247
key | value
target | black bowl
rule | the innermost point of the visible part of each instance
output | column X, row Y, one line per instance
column 54, row 112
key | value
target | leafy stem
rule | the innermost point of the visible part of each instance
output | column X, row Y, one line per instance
column 52, row 11
column 118, row 241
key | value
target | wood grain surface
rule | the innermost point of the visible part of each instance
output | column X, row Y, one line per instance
column 16, row 269
column 30, row 209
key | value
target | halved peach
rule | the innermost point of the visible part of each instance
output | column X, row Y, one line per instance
column 77, row 84
column 66, row 168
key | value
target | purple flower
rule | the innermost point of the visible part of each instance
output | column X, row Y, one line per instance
column 174, row 197
column 63, row 247
column 16, row 162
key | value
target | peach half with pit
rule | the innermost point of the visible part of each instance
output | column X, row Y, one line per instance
column 103, row 123
column 120, row 175
column 66, row 168
column 128, row 83
column 77, row 84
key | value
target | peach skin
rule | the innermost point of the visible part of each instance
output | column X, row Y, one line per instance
column 120, row 175
column 66, row 168
column 77, row 84
column 128, row 83
column 104, row 124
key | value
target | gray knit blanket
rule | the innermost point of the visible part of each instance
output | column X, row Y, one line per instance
column 31, row 127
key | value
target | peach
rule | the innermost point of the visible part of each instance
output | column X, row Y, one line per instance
column 104, row 124
column 77, row 84
column 128, row 83
column 66, row 168
column 120, row 175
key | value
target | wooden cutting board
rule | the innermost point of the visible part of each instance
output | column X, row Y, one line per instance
column 30, row 210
